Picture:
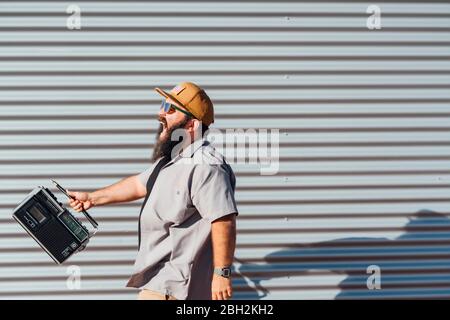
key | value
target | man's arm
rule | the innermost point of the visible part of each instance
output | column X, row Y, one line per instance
column 125, row 190
column 223, row 236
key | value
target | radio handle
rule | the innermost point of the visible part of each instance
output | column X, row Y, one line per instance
column 86, row 214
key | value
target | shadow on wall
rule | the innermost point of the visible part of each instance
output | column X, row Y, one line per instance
column 415, row 264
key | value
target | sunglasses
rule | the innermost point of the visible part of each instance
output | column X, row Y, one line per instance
column 170, row 108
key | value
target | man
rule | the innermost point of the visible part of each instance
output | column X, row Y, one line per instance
column 187, row 228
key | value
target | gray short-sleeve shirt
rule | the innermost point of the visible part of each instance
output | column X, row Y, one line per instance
column 191, row 191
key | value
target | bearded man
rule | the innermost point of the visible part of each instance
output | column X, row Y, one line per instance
column 187, row 223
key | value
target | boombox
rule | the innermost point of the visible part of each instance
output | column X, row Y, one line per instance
column 51, row 225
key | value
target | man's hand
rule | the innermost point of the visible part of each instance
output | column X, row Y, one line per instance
column 82, row 201
column 221, row 288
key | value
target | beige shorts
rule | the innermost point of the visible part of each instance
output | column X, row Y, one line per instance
column 153, row 295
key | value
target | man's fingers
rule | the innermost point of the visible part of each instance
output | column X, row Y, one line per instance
column 73, row 203
column 226, row 295
column 230, row 292
column 71, row 193
column 77, row 195
column 77, row 204
column 217, row 295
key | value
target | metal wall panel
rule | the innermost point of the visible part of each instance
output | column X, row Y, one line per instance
column 364, row 121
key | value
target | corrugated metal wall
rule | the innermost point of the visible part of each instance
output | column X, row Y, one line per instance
column 365, row 146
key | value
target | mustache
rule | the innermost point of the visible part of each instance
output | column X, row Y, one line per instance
column 162, row 120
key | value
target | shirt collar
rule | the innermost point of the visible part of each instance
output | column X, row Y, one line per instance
column 189, row 151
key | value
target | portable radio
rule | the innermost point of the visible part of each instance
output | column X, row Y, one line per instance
column 51, row 225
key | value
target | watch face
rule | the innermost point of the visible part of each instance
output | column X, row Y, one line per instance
column 226, row 272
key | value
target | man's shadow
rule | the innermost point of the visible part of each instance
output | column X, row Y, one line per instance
column 415, row 264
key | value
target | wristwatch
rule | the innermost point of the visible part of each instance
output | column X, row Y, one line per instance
column 223, row 272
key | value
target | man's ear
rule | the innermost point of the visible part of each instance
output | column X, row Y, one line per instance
column 193, row 125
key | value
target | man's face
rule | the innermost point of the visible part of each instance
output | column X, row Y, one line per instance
column 169, row 122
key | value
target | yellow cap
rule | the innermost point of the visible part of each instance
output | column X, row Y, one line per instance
column 192, row 98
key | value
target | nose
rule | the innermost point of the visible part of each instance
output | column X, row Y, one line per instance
column 161, row 113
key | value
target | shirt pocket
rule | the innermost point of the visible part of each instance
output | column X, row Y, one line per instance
column 173, row 207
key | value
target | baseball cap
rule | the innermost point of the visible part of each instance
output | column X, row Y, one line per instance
column 193, row 98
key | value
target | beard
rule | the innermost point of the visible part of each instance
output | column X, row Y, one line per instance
column 164, row 145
